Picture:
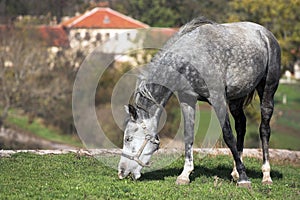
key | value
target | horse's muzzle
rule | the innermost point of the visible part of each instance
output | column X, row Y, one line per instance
column 123, row 174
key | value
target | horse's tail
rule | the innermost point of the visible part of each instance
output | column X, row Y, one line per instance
column 249, row 98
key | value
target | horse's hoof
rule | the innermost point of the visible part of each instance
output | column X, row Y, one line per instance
column 182, row 181
column 267, row 182
column 244, row 184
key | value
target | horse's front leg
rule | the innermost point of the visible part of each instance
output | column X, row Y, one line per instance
column 188, row 110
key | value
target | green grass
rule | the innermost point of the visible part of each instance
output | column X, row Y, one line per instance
column 293, row 96
column 38, row 129
column 284, row 141
column 28, row 176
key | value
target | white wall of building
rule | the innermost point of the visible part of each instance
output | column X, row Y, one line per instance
column 110, row 40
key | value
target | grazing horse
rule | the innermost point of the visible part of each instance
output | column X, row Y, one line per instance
column 222, row 64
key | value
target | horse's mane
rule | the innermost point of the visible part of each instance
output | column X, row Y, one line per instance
column 195, row 23
column 145, row 74
column 188, row 27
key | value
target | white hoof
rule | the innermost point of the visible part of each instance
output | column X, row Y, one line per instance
column 244, row 184
column 266, row 174
column 182, row 181
column 267, row 181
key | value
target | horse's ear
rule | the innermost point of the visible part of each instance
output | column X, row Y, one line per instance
column 131, row 110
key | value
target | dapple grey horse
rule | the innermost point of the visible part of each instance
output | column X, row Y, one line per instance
column 222, row 64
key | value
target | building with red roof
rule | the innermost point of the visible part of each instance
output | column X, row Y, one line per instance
column 112, row 32
column 103, row 18
column 96, row 26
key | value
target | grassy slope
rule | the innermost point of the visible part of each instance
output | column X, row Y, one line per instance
column 28, row 176
column 286, row 129
column 38, row 129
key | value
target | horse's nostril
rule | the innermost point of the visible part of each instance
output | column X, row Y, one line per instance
column 121, row 173
column 121, row 176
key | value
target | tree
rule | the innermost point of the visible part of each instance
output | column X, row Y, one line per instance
column 157, row 13
column 215, row 10
column 163, row 13
column 36, row 81
column 20, row 59
column 46, row 9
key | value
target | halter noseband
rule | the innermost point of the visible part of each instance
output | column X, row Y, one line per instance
column 148, row 138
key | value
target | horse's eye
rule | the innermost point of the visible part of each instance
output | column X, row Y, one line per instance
column 128, row 139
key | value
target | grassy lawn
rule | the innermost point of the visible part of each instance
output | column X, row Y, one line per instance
column 293, row 96
column 28, row 176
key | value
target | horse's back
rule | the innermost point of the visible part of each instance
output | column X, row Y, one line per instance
column 235, row 54
column 253, row 60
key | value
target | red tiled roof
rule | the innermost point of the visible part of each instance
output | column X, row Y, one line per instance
column 53, row 36
column 103, row 18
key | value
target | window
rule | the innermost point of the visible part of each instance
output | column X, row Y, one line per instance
column 106, row 20
column 107, row 35
column 77, row 36
column 99, row 37
column 128, row 36
column 87, row 36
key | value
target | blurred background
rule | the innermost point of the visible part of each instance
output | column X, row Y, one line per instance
column 43, row 43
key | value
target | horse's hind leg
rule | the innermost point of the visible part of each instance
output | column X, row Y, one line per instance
column 236, row 109
column 266, row 90
column 219, row 105
column 266, row 93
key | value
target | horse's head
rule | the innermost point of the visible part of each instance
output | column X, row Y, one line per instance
column 140, row 142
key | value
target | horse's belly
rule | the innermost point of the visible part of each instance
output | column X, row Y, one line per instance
column 245, row 68
column 241, row 83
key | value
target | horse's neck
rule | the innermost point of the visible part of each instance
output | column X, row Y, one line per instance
column 151, row 99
